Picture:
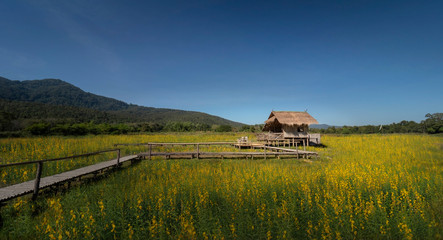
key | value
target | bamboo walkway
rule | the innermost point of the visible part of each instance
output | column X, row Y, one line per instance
column 33, row 186
column 273, row 151
column 198, row 155
column 24, row 188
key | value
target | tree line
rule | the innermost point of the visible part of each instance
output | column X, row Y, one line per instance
column 78, row 129
column 432, row 124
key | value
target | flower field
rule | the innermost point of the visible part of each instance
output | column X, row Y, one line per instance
column 361, row 187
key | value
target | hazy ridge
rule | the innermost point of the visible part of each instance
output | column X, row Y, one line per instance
column 58, row 100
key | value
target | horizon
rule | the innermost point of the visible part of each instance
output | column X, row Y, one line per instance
column 348, row 63
column 319, row 124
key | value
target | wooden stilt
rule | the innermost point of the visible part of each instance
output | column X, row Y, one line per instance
column 118, row 157
column 150, row 151
column 296, row 148
column 37, row 180
column 265, row 151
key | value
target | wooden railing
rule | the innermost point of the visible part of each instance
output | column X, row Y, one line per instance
column 174, row 144
column 283, row 151
column 269, row 136
column 40, row 165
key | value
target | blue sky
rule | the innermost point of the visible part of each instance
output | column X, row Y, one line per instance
column 348, row 62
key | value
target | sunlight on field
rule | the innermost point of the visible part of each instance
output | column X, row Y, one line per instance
column 362, row 187
column 29, row 149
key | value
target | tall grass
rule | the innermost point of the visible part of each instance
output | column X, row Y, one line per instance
column 362, row 187
column 29, row 149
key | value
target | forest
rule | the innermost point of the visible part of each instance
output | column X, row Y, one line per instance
column 433, row 124
column 54, row 107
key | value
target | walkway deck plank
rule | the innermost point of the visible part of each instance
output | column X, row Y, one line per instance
column 20, row 189
column 228, row 154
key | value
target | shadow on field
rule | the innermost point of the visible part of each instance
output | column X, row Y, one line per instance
column 41, row 204
column 320, row 145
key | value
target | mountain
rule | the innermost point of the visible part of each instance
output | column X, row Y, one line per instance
column 56, row 92
column 56, row 99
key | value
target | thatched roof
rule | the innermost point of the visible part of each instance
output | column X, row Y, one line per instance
column 291, row 118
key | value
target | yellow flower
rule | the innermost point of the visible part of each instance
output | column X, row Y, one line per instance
column 113, row 226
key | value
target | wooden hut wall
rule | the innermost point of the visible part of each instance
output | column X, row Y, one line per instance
column 274, row 126
column 290, row 128
column 291, row 131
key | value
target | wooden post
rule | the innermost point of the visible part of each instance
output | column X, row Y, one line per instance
column 198, row 151
column 118, row 157
column 37, row 180
column 265, row 151
column 1, row 218
column 150, row 150
column 296, row 148
column 304, row 145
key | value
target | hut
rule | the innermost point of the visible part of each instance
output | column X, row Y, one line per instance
column 288, row 127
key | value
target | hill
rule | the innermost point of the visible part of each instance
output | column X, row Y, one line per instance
column 320, row 126
column 56, row 92
column 55, row 99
